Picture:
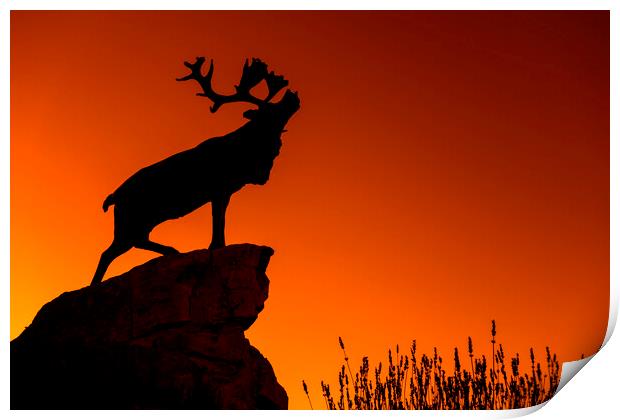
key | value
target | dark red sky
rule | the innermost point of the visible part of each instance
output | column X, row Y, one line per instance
column 446, row 169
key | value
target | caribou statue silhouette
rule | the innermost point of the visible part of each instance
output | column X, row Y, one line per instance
column 210, row 172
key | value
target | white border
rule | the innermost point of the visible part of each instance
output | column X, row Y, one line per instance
column 593, row 395
column 308, row 5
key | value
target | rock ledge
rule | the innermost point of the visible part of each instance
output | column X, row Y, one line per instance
column 165, row 335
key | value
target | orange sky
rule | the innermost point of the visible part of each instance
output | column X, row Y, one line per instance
column 445, row 169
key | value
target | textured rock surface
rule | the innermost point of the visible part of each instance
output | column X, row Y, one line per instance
column 167, row 334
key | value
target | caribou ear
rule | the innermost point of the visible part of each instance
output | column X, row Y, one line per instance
column 250, row 114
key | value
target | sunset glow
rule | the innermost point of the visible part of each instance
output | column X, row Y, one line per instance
column 445, row 169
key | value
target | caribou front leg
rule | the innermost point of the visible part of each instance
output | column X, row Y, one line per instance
column 218, row 210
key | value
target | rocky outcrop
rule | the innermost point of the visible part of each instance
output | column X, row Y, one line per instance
column 168, row 334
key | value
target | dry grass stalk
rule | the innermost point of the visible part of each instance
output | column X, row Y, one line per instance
column 413, row 383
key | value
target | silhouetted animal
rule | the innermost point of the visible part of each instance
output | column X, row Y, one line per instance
column 210, row 172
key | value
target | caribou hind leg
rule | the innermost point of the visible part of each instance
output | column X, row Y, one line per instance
column 155, row 247
column 116, row 249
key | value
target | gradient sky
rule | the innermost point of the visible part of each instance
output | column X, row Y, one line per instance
column 445, row 169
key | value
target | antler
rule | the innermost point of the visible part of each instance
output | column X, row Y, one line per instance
column 253, row 74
